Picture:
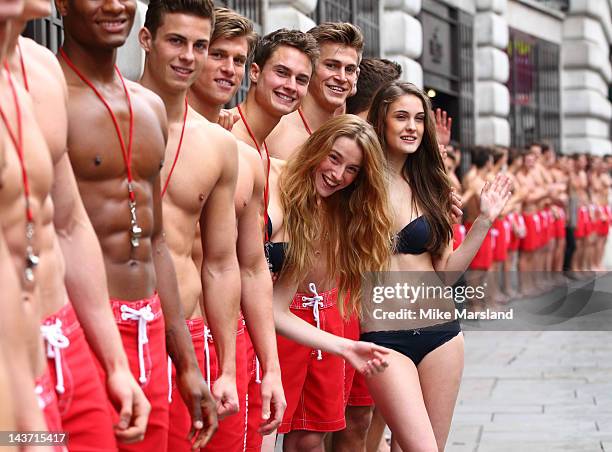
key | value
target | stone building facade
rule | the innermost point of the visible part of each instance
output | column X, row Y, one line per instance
column 508, row 71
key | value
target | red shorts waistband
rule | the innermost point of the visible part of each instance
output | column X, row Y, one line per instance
column 330, row 298
column 66, row 314
column 152, row 301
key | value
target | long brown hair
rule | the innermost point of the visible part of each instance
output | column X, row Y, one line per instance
column 355, row 223
column 424, row 169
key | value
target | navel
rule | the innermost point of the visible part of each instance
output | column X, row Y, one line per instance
column 97, row 160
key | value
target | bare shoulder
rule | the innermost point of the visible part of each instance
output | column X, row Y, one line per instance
column 249, row 153
column 220, row 137
column 43, row 58
column 148, row 97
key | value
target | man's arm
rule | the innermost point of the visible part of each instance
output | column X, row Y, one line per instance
column 256, row 298
column 220, row 272
column 189, row 380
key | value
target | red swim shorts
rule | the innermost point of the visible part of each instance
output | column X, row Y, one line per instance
column 560, row 223
column 231, row 434
column 47, row 401
column 141, row 325
column 533, row 229
column 81, row 395
column 484, row 257
column 458, row 235
column 313, row 381
column 502, row 239
column 583, row 224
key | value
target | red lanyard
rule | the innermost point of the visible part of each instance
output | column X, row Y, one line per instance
column 18, row 141
column 127, row 152
column 31, row 259
column 246, row 124
column 308, row 129
column 178, row 150
column 23, row 68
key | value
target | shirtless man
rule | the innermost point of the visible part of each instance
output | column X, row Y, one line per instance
column 531, row 243
column 282, row 65
column 558, row 207
column 333, row 79
column 232, row 44
column 19, row 334
column 545, row 179
column 81, row 397
column 482, row 159
column 108, row 117
column 599, row 185
column 579, row 212
column 198, row 183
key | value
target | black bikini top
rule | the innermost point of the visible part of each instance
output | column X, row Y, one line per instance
column 413, row 237
column 275, row 252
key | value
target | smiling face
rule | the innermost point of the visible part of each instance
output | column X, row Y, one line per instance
column 335, row 75
column 340, row 168
column 98, row 23
column 405, row 124
column 223, row 71
column 176, row 55
column 283, row 82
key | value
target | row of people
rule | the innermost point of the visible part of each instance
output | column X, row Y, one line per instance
column 141, row 249
column 557, row 220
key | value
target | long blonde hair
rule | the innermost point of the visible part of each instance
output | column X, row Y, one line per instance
column 356, row 223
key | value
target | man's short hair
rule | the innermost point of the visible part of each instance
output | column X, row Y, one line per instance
column 374, row 72
column 158, row 8
column 229, row 24
column 481, row 156
column 338, row 33
column 268, row 44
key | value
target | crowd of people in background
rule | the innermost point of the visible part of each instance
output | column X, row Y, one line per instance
column 180, row 276
column 556, row 224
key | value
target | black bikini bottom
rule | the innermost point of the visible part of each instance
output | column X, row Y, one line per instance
column 417, row 343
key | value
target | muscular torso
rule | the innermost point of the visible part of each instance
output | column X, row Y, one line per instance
column 580, row 186
column 13, row 219
column 526, row 180
column 101, row 174
column 197, row 170
column 546, row 180
column 47, row 89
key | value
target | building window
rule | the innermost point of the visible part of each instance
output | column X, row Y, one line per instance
column 448, row 66
column 48, row 31
column 363, row 13
column 534, row 87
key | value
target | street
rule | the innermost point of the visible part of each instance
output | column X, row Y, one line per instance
column 538, row 390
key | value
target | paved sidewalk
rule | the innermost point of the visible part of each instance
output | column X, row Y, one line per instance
column 537, row 391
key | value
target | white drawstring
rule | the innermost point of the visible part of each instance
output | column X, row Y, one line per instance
column 169, row 380
column 207, row 354
column 56, row 341
column 143, row 315
column 257, row 371
column 38, row 390
column 314, row 302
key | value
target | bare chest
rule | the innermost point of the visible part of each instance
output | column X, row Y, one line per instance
column 100, row 151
